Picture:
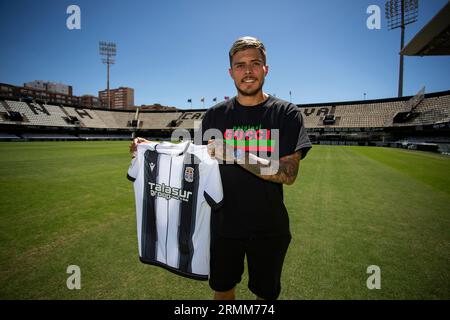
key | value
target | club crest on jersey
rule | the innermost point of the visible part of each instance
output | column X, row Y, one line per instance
column 189, row 174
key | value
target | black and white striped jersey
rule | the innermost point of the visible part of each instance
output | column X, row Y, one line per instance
column 176, row 186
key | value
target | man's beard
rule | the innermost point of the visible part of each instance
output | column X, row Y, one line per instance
column 250, row 93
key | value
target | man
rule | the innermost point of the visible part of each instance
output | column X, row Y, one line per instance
column 253, row 221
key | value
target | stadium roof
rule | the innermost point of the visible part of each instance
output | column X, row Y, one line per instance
column 434, row 38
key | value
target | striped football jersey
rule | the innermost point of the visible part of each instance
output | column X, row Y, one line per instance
column 176, row 186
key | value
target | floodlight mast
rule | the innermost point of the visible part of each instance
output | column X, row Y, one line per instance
column 108, row 52
column 400, row 13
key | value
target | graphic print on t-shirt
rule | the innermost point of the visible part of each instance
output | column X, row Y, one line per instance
column 250, row 138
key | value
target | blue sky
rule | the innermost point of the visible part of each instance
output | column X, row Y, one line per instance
column 173, row 50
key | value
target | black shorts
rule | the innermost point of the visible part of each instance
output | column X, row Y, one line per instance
column 265, row 257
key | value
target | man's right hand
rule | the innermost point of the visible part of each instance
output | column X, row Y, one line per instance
column 134, row 144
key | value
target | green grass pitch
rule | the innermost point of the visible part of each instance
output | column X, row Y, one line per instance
column 69, row 203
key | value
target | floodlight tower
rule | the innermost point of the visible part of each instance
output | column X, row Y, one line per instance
column 108, row 53
column 400, row 13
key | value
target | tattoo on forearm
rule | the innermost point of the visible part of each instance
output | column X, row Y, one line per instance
column 287, row 169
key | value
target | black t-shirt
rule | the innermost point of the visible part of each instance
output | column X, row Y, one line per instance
column 252, row 206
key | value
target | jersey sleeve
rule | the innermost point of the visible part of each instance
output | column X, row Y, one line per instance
column 293, row 135
column 213, row 187
column 133, row 170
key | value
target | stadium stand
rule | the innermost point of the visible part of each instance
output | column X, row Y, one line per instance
column 114, row 119
column 397, row 122
column 158, row 120
column 351, row 115
column 377, row 123
column 189, row 119
column 88, row 118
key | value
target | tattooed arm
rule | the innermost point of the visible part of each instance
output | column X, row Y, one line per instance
column 285, row 171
